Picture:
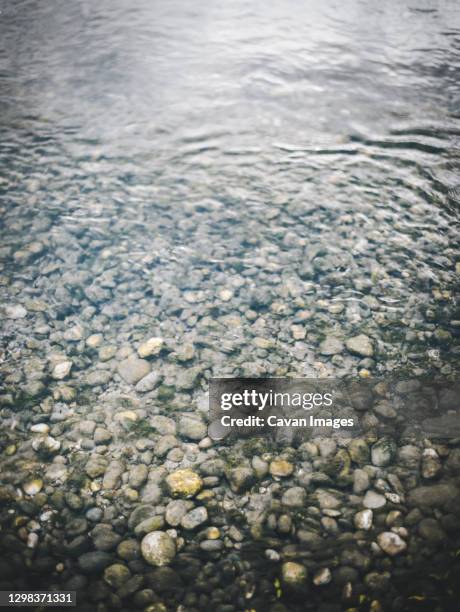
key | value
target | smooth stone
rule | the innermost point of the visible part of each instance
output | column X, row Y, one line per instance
column 433, row 496
column 176, row 510
column 281, row 468
column 98, row 377
column 293, row 574
column 361, row 481
column 383, row 452
column 373, row 500
column 363, row 519
column 150, row 347
column 195, row 518
column 360, row 345
column 61, row 370
column 32, row 487
column 184, row 483
column 96, row 466
column 158, row 548
column 138, row 475
column 322, row 576
column 148, row 383
column 116, row 575
column 294, row 497
column 133, row 369
column 331, row 346
column 93, row 562
column 192, row 428
column 391, row 543
column 15, row 311
column 241, row 478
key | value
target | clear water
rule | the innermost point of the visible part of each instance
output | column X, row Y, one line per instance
column 190, row 139
column 295, row 155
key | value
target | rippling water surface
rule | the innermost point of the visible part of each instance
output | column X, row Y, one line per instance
column 232, row 144
column 253, row 182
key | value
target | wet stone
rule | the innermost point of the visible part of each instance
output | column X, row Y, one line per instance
column 61, row 370
column 116, row 575
column 158, row 548
column 361, row 481
column 194, row 518
column 431, row 530
column 363, row 519
column 383, row 452
column 184, row 483
column 137, row 475
column 129, row 550
column 139, row 514
column 281, row 468
column 104, row 538
column 98, row 377
column 132, row 370
column 241, row 479
column 322, row 577
column 294, row 497
column 373, row 500
column 360, row 345
column 175, row 511
column 93, row 562
column 391, row 543
column 192, row 428
column 331, row 346
column 148, row 383
column 293, row 574
column 154, row 523
column 96, row 466
column 434, row 496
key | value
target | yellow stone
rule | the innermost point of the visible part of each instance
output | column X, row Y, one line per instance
column 184, row 483
column 20, row 521
column 212, row 533
column 150, row 347
column 32, row 487
column 131, row 494
column 94, row 340
column 205, row 495
column 293, row 574
column 10, row 450
column 225, row 295
column 281, row 468
column 364, row 373
column 130, row 415
column 263, row 343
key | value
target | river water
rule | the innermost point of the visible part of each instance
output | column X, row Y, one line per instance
column 246, row 180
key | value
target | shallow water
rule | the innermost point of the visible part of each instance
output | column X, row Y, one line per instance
column 222, row 139
column 242, row 179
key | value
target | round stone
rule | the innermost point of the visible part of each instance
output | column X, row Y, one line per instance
column 281, row 468
column 363, row 519
column 32, row 487
column 360, row 345
column 117, row 574
column 374, row 500
column 184, row 483
column 331, row 346
column 158, row 548
column 294, row 497
column 61, row 370
column 322, row 576
column 150, row 347
column 391, row 543
column 293, row 574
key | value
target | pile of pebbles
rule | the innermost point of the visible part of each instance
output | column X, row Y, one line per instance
column 110, row 483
